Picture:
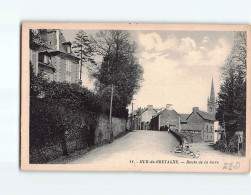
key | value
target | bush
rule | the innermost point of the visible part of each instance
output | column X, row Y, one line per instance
column 56, row 130
column 232, row 147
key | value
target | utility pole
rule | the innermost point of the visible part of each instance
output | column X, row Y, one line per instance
column 132, row 117
column 110, row 117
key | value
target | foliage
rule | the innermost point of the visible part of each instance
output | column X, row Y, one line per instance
column 82, row 48
column 58, row 128
column 232, row 95
column 37, row 37
column 119, row 67
column 63, row 115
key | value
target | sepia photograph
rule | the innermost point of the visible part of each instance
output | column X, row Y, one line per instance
column 135, row 97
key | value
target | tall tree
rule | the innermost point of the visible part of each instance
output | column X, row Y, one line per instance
column 82, row 48
column 232, row 96
column 119, row 66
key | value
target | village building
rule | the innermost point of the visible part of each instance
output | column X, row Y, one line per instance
column 55, row 58
column 199, row 125
column 145, row 117
column 166, row 119
column 142, row 117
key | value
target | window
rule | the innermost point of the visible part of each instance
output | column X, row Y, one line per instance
column 68, row 66
column 68, row 49
column 46, row 59
column 211, row 128
column 207, row 127
column 68, row 71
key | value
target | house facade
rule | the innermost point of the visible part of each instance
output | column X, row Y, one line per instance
column 142, row 117
column 199, row 126
column 55, row 59
column 167, row 118
column 145, row 117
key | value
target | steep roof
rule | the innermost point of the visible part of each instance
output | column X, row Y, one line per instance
column 145, row 109
column 183, row 117
column 206, row 116
column 166, row 110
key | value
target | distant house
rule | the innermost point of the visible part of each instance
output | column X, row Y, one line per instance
column 167, row 118
column 199, row 126
column 55, row 58
column 142, row 117
column 145, row 117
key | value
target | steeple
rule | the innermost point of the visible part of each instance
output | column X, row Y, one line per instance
column 211, row 102
column 212, row 94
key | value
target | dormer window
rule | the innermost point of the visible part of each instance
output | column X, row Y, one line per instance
column 68, row 49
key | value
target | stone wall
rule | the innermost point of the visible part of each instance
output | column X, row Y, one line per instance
column 103, row 133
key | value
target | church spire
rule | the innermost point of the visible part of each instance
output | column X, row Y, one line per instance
column 212, row 94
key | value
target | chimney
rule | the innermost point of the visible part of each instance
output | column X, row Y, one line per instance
column 57, row 39
column 169, row 106
column 195, row 109
column 150, row 107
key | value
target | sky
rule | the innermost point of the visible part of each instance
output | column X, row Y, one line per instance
column 178, row 66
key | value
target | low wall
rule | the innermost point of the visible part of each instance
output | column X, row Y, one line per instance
column 192, row 137
column 57, row 130
column 178, row 136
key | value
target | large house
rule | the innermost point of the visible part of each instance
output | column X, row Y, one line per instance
column 55, row 58
column 167, row 118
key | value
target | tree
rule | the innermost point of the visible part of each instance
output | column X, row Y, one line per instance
column 232, row 96
column 119, row 67
column 82, row 48
column 37, row 37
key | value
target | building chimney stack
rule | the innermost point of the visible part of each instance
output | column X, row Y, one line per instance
column 195, row 109
column 169, row 106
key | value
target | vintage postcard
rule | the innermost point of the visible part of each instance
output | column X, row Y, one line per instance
column 135, row 97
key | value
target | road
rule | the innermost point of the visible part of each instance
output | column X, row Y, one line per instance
column 130, row 153
column 135, row 145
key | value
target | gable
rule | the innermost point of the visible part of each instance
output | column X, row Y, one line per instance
column 194, row 117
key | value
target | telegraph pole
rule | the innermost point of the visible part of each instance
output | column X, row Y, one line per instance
column 110, row 117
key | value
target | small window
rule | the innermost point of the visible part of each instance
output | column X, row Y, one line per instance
column 68, row 49
column 45, row 59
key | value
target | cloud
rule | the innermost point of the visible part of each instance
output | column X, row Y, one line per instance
column 205, row 40
column 214, row 57
column 148, row 55
column 187, row 44
column 203, row 48
column 153, row 41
